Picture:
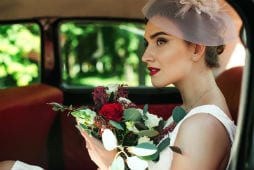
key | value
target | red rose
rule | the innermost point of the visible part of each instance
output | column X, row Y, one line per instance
column 113, row 111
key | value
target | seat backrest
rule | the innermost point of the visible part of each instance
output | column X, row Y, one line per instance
column 230, row 82
column 25, row 122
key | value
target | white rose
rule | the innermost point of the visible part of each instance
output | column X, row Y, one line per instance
column 152, row 121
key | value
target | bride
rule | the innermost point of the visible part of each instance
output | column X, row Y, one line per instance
column 184, row 39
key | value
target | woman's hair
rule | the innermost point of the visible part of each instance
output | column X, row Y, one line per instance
column 211, row 55
column 208, row 28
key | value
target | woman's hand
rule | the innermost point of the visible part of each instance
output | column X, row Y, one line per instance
column 6, row 165
column 98, row 154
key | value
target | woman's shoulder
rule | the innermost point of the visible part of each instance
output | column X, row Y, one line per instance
column 208, row 120
column 203, row 137
column 203, row 125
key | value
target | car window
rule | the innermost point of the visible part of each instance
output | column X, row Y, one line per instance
column 102, row 52
column 20, row 54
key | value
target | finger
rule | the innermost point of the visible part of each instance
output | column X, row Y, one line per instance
column 85, row 135
column 88, row 146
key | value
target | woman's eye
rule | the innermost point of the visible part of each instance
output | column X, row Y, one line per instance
column 161, row 41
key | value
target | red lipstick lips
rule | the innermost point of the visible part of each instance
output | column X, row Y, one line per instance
column 153, row 70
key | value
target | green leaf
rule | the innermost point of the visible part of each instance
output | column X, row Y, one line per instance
column 130, row 139
column 132, row 114
column 140, row 126
column 165, row 143
column 178, row 114
column 58, row 107
column 161, row 125
column 145, row 110
column 83, row 126
column 148, row 133
column 176, row 149
column 143, row 149
column 81, row 113
column 116, row 125
column 111, row 97
column 152, row 157
column 118, row 164
column 78, row 113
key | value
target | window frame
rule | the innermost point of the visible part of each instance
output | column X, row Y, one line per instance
column 140, row 95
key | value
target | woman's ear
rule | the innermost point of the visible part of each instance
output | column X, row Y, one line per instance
column 199, row 51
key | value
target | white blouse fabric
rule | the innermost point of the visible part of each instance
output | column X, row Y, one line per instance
column 166, row 155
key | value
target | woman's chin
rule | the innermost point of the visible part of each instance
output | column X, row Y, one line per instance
column 158, row 84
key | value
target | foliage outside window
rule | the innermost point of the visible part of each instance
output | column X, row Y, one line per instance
column 19, row 54
column 98, row 53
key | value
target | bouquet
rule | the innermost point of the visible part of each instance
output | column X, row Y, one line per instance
column 120, row 124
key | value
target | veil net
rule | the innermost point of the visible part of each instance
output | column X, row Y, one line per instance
column 197, row 21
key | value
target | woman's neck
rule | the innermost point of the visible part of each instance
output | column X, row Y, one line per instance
column 197, row 89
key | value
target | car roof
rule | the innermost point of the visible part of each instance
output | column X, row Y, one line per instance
column 28, row 9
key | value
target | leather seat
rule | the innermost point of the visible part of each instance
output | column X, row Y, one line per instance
column 230, row 82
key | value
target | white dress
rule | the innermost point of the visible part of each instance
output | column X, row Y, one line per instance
column 167, row 154
column 19, row 165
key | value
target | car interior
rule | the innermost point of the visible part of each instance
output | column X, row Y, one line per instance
column 30, row 130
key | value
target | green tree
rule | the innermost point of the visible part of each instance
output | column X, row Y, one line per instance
column 19, row 54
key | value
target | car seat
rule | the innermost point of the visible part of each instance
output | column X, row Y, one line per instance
column 230, row 82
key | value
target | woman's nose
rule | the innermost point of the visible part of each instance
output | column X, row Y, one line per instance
column 147, row 56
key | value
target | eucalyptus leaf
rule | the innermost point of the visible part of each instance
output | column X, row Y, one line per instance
column 143, row 149
column 57, row 106
column 130, row 139
column 161, row 125
column 145, row 110
column 176, row 149
column 178, row 114
column 132, row 114
column 140, row 126
column 118, row 164
column 148, row 133
column 165, row 143
column 152, row 157
column 116, row 125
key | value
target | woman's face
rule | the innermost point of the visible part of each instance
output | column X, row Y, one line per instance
column 168, row 58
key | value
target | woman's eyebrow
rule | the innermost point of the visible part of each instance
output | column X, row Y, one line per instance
column 157, row 34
